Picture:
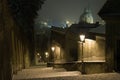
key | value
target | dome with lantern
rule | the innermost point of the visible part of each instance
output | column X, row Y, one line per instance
column 86, row 17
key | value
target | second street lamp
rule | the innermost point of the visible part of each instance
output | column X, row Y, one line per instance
column 82, row 40
column 53, row 50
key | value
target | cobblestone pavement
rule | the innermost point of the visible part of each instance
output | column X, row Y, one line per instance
column 61, row 74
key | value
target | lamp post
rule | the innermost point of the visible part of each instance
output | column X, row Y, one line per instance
column 47, row 56
column 82, row 40
column 53, row 49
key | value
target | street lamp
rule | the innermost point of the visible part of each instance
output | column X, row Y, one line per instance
column 53, row 49
column 82, row 40
column 46, row 54
column 82, row 37
column 38, row 54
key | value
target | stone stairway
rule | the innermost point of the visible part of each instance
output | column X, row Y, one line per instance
column 36, row 73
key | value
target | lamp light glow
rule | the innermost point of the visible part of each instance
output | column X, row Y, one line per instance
column 67, row 22
column 82, row 37
column 53, row 48
column 46, row 54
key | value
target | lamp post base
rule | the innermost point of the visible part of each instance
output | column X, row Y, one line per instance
column 83, row 68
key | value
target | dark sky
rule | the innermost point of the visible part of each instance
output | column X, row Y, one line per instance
column 57, row 12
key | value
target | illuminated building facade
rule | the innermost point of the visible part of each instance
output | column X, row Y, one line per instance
column 100, row 54
column 68, row 46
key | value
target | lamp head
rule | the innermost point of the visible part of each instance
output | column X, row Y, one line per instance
column 46, row 54
column 53, row 48
column 82, row 37
column 38, row 54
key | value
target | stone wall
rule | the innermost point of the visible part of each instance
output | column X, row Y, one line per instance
column 93, row 55
column 14, row 46
column 93, row 50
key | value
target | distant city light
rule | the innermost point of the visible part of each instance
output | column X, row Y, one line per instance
column 67, row 22
column 49, row 26
column 45, row 23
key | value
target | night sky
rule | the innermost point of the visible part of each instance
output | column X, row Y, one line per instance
column 57, row 12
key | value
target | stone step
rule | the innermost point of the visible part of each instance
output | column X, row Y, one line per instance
column 45, row 73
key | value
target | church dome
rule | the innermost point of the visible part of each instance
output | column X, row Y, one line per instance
column 86, row 17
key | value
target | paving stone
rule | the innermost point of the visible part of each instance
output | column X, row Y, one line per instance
column 61, row 74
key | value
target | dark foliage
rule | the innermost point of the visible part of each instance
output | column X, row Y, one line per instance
column 24, row 12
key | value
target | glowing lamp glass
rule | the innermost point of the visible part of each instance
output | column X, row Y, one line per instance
column 52, row 48
column 82, row 38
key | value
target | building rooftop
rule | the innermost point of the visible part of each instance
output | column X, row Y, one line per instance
column 110, row 8
column 98, row 30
